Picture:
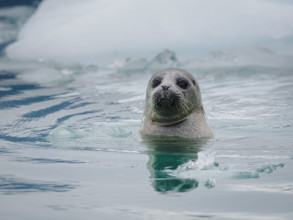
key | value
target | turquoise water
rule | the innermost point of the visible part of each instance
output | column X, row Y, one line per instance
column 70, row 147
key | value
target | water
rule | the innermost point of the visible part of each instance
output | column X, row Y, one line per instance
column 70, row 147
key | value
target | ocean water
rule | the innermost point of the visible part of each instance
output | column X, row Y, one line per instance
column 70, row 147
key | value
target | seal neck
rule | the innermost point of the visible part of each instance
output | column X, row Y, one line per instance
column 171, row 123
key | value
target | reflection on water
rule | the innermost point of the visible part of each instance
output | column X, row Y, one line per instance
column 169, row 153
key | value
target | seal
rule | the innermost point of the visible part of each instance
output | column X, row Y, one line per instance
column 173, row 106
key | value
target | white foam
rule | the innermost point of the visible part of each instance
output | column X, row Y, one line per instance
column 207, row 171
column 97, row 31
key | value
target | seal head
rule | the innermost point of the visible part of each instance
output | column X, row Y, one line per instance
column 173, row 95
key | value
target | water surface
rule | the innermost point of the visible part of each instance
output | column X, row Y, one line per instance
column 70, row 147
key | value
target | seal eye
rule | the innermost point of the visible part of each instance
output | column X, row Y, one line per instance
column 183, row 83
column 156, row 82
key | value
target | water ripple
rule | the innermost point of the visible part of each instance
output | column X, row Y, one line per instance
column 49, row 110
column 24, row 101
column 47, row 160
column 12, row 185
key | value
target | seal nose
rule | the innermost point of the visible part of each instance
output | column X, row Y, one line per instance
column 165, row 87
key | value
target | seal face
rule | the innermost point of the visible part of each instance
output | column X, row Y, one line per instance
column 173, row 95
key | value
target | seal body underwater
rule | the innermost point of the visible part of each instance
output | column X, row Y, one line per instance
column 173, row 106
